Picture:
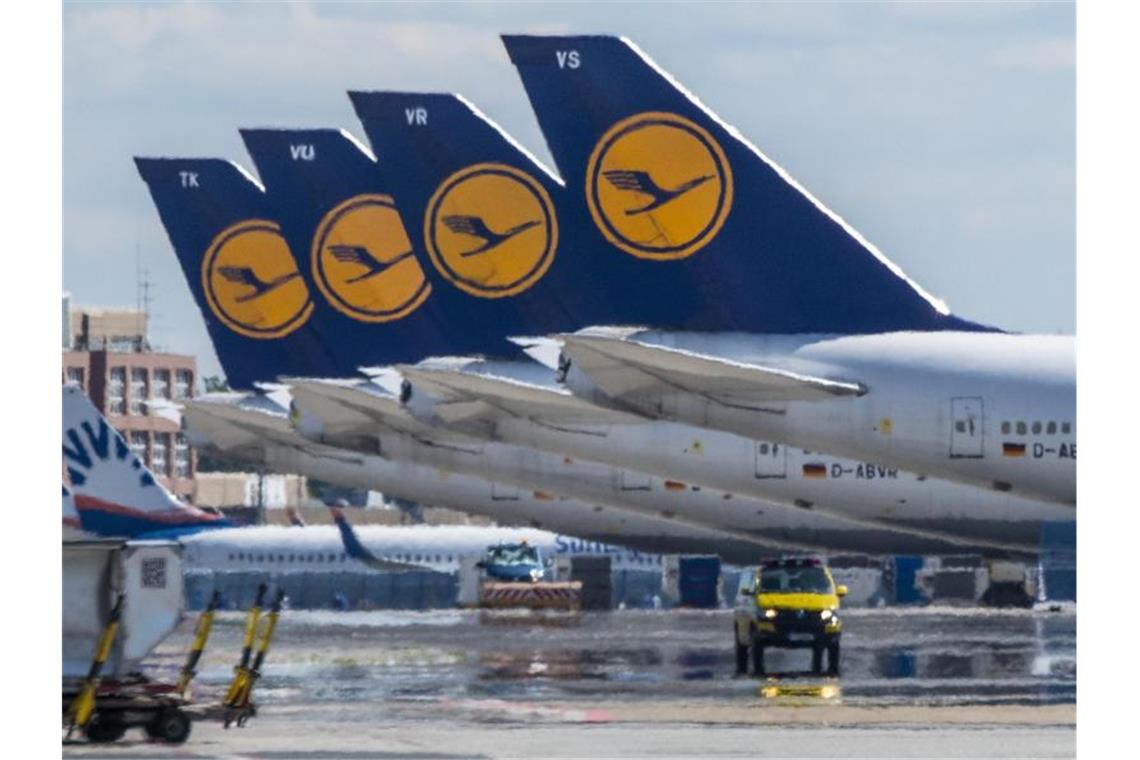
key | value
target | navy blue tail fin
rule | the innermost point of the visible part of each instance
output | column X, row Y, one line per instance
column 243, row 276
column 371, row 286
column 663, row 179
column 495, row 224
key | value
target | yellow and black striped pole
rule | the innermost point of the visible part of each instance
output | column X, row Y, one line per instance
column 83, row 706
column 201, row 636
column 241, row 672
column 241, row 699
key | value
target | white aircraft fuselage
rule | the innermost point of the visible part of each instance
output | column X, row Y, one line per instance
column 993, row 410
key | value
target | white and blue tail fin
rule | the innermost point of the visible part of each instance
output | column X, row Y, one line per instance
column 113, row 493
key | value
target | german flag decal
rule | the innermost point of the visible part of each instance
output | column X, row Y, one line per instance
column 673, row 485
column 1013, row 449
column 815, row 470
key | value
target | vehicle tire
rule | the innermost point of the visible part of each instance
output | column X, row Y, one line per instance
column 171, row 726
column 757, row 658
column 833, row 657
column 816, row 659
column 104, row 731
column 741, row 654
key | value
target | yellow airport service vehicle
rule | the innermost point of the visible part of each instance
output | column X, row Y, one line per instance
column 104, row 709
column 788, row 603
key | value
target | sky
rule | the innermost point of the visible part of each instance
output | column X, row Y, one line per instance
column 943, row 132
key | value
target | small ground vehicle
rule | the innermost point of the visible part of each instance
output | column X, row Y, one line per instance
column 513, row 562
column 515, row 576
column 788, row 603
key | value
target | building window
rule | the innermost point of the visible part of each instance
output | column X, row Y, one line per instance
column 122, row 344
column 181, row 456
column 158, row 454
column 138, row 389
column 78, row 376
column 138, row 444
column 161, row 387
column 183, row 383
column 116, row 402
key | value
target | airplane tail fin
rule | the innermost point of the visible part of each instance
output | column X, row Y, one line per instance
column 113, row 492
column 357, row 550
column 498, row 225
column 663, row 179
column 242, row 274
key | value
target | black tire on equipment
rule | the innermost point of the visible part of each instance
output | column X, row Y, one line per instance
column 757, row 657
column 741, row 653
column 816, row 659
column 833, row 657
column 171, row 726
column 104, row 731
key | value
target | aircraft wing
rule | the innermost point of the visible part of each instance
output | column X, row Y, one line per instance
column 494, row 397
column 236, row 430
column 344, row 405
column 623, row 367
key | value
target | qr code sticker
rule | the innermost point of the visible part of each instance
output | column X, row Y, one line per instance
column 154, row 572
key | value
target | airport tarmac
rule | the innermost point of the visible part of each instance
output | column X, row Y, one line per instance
column 925, row 682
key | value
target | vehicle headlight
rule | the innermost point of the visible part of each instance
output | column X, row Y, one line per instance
column 826, row 615
column 769, row 614
column 536, row 574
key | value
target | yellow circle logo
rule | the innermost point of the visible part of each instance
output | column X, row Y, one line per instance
column 363, row 261
column 491, row 230
column 658, row 186
column 252, row 283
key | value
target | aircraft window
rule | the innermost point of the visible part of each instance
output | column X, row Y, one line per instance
column 260, row 557
column 960, row 426
column 1066, row 428
column 417, row 558
column 280, row 557
column 1036, row 428
column 1006, row 427
column 1021, row 429
column 763, row 448
column 332, row 558
column 1051, row 428
column 343, row 557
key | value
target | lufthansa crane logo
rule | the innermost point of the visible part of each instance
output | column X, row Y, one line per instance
column 658, row 186
column 251, row 281
column 491, row 230
column 363, row 261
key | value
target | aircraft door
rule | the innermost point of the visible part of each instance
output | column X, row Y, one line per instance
column 771, row 460
column 634, row 481
column 503, row 492
column 967, row 427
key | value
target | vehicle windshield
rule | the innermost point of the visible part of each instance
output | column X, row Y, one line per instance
column 514, row 554
column 811, row 579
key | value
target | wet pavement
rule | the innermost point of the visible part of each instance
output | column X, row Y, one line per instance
column 399, row 671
